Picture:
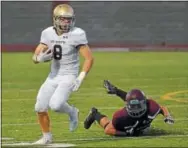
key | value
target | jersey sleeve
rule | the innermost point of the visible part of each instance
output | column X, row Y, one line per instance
column 43, row 38
column 154, row 109
column 81, row 39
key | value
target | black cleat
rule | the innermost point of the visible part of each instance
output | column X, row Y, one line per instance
column 90, row 118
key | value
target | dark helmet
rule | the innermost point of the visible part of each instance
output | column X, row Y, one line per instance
column 136, row 103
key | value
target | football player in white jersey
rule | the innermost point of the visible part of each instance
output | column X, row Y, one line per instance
column 61, row 44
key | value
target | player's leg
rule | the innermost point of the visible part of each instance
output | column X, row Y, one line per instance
column 58, row 102
column 102, row 120
column 94, row 115
column 41, row 107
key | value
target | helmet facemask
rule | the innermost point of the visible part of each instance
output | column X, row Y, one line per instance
column 64, row 24
column 136, row 108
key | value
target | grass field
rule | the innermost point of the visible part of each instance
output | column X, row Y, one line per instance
column 164, row 76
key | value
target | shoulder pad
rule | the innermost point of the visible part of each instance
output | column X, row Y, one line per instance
column 77, row 31
column 48, row 29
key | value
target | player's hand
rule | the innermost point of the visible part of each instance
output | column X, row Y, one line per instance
column 77, row 83
column 43, row 56
column 111, row 89
column 169, row 120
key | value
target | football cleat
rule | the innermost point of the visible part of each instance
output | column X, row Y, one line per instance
column 90, row 118
column 74, row 117
column 44, row 140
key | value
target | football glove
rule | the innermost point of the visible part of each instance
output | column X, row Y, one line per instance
column 169, row 120
column 77, row 83
column 43, row 56
column 111, row 89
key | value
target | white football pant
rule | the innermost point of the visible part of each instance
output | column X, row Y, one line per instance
column 54, row 94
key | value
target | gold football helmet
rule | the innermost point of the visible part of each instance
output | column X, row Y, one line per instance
column 63, row 18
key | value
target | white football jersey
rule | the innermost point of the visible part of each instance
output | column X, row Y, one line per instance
column 66, row 57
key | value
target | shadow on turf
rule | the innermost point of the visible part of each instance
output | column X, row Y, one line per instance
column 161, row 132
column 154, row 133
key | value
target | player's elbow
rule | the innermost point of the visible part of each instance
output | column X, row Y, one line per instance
column 90, row 59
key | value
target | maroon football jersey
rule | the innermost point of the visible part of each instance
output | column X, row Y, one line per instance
column 123, row 122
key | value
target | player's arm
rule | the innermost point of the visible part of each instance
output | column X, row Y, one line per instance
column 40, row 48
column 111, row 89
column 155, row 109
column 164, row 111
column 86, row 53
column 167, row 117
column 42, row 54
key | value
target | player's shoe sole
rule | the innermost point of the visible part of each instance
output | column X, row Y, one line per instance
column 90, row 118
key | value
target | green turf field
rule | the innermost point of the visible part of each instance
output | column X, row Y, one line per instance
column 161, row 75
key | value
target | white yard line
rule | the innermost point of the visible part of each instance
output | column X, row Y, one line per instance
column 66, row 122
column 94, row 139
column 145, row 79
column 85, row 96
column 55, row 145
column 106, row 108
column 18, row 90
column 24, row 90
column 118, row 138
column 100, row 95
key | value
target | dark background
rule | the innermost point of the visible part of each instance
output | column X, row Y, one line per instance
column 107, row 24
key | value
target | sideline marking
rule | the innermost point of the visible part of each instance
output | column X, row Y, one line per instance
column 6, row 138
column 94, row 139
column 169, row 96
column 48, row 145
